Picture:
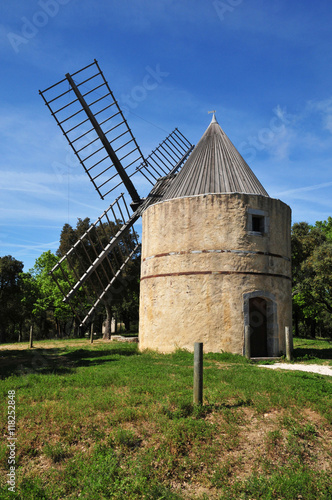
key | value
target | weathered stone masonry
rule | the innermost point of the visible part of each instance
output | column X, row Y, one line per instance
column 212, row 264
column 199, row 261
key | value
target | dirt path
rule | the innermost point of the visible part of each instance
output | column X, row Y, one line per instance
column 321, row 369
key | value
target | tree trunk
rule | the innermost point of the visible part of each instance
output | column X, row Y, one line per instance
column 108, row 322
column 31, row 337
column 76, row 332
column 313, row 329
column 296, row 324
column 126, row 321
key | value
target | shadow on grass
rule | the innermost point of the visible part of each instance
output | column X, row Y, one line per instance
column 46, row 361
column 201, row 411
column 303, row 353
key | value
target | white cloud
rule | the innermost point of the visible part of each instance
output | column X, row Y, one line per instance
column 304, row 189
column 324, row 109
column 32, row 246
column 328, row 123
column 295, row 134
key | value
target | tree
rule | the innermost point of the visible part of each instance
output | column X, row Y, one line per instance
column 318, row 275
column 122, row 297
column 30, row 294
column 126, row 300
column 67, row 239
column 49, row 298
column 326, row 227
column 10, row 296
column 312, row 273
column 305, row 239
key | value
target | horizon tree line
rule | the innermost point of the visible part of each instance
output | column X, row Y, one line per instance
column 33, row 299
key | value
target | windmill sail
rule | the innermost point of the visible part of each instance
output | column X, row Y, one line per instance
column 94, row 125
column 86, row 274
column 167, row 158
column 96, row 129
column 86, row 111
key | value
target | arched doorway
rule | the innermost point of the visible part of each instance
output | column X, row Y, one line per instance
column 258, row 327
column 260, row 314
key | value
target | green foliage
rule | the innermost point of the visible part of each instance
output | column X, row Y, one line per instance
column 326, row 227
column 42, row 298
column 10, row 295
column 3, row 454
column 30, row 294
column 50, row 296
column 32, row 489
column 106, row 421
column 34, row 296
column 57, row 452
column 222, row 475
column 312, row 277
column 312, row 351
column 122, row 298
column 290, row 485
column 126, row 438
column 318, row 275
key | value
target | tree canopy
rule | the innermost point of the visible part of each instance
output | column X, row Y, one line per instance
column 122, row 298
column 10, row 295
column 312, row 277
column 34, row 297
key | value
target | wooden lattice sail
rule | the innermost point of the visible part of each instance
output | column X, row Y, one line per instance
column 94, row 125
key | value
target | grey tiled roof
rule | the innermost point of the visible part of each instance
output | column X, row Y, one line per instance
column 157, row 192
column 214, row 166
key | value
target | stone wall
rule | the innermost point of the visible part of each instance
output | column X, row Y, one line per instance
column 200, row 263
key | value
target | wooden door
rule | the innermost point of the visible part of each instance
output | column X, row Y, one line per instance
column 258, row 327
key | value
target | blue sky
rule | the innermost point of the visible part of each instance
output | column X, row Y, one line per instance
column 266, row 67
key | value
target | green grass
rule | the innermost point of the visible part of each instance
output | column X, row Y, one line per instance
column 313, row 351
column 106, row 421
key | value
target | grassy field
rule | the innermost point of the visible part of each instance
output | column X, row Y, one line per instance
column 105, row 421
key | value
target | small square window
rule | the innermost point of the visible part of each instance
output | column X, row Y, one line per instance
column 258, row 222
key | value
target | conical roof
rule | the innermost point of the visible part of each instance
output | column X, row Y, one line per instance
column 214, row 166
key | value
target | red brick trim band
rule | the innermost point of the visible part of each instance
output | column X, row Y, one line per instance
column 239, row 252
column 190, row 273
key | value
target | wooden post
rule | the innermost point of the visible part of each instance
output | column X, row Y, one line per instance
column 288, row 344
column 247, row 342
column 91, row 333
column 198, row 373
column 31, row 337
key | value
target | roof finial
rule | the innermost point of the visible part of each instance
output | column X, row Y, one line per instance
column 214, row 120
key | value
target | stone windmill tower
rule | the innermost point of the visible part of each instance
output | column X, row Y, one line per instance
column 216, row 257
column 216, row 247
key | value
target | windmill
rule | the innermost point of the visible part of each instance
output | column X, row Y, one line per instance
column 96, row 129
column 216, row 253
